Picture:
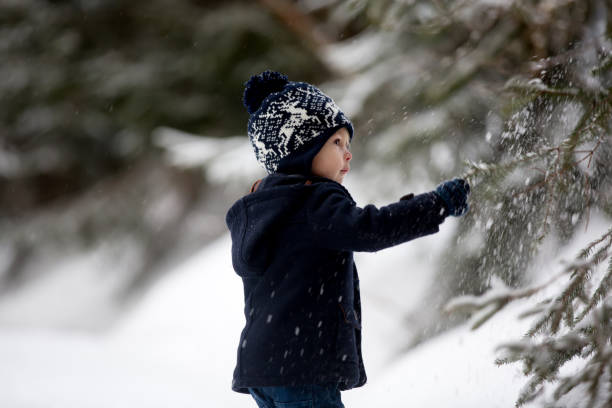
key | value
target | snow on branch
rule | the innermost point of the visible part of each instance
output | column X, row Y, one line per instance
column 493, row 301
column 577, row 323
column 589, row 343
column 536, row 86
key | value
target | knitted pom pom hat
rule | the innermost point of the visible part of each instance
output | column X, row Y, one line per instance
column 290, row 122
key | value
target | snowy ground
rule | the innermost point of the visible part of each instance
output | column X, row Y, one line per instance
column 177, row 346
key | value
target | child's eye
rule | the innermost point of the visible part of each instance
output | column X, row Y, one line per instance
column 338, row 142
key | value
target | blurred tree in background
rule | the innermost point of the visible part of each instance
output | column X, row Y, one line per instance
column 85, row 83
column 84, row 86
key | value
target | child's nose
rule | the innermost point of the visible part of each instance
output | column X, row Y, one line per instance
column 348, row 156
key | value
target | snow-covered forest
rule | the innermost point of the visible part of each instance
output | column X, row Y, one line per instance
column 123, row 143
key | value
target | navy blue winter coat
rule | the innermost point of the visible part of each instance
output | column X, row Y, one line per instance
column 292, row 244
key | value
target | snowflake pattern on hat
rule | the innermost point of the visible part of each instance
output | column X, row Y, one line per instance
column 290, row 119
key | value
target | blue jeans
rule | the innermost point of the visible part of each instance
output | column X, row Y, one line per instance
column 303, row 396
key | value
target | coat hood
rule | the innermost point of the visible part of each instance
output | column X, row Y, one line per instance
column 254, row 220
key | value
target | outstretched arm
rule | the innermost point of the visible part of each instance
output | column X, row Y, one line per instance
column 337, row 223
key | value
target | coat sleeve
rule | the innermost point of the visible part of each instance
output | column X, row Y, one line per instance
column 337, row 223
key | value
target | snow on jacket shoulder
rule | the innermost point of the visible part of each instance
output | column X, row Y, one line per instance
column 292, row 244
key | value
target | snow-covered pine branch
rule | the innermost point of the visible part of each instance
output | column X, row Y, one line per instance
column 586, row 345
column 548, row 345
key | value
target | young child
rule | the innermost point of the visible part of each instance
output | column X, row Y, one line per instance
column 293, row 238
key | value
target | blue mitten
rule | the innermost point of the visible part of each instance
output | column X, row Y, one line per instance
column 454, row 193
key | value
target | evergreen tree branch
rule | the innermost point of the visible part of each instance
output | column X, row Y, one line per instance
column 587, row 250
column 537, row 87
column 493, row 301
column 588, row 336
column 600, row 293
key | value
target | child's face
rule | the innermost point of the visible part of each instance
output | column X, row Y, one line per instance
column 333, row 159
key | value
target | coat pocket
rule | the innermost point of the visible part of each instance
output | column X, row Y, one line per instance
column 346, row 341
column 349, row 316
